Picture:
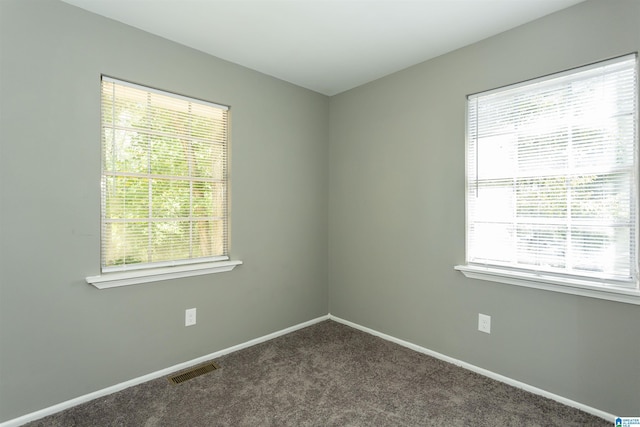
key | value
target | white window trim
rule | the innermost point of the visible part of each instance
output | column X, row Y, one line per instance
column 582, row 287
column 587, row 287
column 132, row 274
column 134, row 277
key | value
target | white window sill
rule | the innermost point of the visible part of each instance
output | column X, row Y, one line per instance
column 134, row 277
column 585, row 287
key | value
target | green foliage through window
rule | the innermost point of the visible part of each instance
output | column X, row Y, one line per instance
column 164, row 177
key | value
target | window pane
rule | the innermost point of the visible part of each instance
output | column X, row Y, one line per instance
column 209, row 160
column 125, row 243
column 491, row 242
column 170, row 240
column 208, row 199
column 208, row 237
column 496, row 156
column 169, row 156
column 125, row 151
column 541, row 246
column 494, row 202
column 601, row 249
column 126, row 197
column 543, row 153
column 171, row 198
column 602, row 199
column 544, row 197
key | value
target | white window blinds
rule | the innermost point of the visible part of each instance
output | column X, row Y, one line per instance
column 164, row 178
column 552, row 174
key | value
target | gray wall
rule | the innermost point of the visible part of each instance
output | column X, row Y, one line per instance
column 61, row 338
column 391, row 179
column 396, row 204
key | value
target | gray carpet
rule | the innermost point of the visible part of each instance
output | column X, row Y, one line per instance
column 327, row 374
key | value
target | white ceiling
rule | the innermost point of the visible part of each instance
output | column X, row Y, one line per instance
column 328, row 46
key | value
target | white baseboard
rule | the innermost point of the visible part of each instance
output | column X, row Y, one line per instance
column 152, row 376
column 167, row 371
column 481, row 371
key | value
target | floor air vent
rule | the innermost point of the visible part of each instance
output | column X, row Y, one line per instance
column 193, row 372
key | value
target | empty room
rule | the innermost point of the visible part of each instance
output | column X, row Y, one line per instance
column 331, row 212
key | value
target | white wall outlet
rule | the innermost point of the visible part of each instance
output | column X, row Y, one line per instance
column 484, row 323
column 190, row 317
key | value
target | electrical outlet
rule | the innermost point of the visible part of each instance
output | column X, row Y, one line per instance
column 484, row 323
column 190, row 317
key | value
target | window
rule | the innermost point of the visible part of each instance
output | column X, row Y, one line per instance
column 552, row 180
column 164, row 184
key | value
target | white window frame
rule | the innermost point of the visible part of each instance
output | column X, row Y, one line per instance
column 130, row 274
column 577, row 285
